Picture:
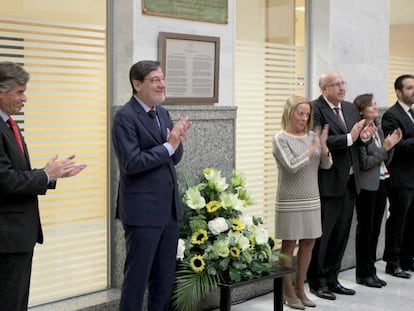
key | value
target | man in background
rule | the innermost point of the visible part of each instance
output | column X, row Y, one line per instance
column 148, row 146
column 338, row 185
column 399, row 229
column 20, row 226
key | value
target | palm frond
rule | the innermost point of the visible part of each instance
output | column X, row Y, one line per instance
column 191, row 288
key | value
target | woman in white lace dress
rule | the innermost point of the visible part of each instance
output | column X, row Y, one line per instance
column 298, row 152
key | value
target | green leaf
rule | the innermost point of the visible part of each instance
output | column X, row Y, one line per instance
column 235, row 275
column 247, row 274
column 211, row 270
column 257, row 220
column 224, row 263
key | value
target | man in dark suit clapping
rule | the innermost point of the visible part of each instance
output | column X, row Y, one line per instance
column 148, row 146
column 399, row 230
column 338, row 185
column 20, row 185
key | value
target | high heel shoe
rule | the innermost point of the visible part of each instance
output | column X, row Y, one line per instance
column 308, row 303
column 294, row 303
column 304, row 299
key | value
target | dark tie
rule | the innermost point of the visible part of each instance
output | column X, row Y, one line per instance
column 16, row 132
column 411, row 113
column 341, row 121
column 153, row 116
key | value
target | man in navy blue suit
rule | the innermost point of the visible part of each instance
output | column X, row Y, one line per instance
column 148, row 146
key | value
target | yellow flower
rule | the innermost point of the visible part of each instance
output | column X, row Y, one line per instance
column 213, row 206
column 197, row 263
column 207, row 170
column 238, row 225
column 199, row 237
column 234, row 252
column 272, row 242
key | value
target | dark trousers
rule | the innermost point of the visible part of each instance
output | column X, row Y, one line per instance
column 15, row 271
column 399, row 229
column 150, row 261
column 370, row 207
column 329, row 249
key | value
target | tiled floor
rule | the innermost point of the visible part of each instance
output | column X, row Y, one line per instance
column 398, row 295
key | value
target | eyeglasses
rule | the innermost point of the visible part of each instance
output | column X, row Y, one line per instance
column 156, row 80
column 338, row 84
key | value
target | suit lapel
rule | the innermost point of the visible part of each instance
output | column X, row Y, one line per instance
column 13, row 142
column 406, row 120
column 6, row 130
column 332, row 117
column 146, row 120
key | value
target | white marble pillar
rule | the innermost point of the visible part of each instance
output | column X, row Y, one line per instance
column 351, row 37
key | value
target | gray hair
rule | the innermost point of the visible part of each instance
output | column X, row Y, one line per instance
column 12, row 74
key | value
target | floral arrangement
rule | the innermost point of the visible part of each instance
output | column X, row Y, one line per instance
column 217, row 242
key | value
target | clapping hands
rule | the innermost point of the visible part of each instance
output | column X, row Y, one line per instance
column 392, row 139
column 179, row 132
column 363, row 129
column 64, row 168
column 319, row 139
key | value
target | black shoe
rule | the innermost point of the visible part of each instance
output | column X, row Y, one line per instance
column 376, row 278
column 409, row 267
column 323, row 292
column 369, row 281
column 397, row 272
column 339, row 289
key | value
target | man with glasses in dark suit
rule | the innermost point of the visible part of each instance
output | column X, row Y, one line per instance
column 148, row 146
column 338, row 185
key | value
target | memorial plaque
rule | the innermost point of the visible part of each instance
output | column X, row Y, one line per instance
column 191, row 66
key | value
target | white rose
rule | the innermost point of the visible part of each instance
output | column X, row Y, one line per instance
column 217, row 225
column 180, row 249
column 262, row 237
